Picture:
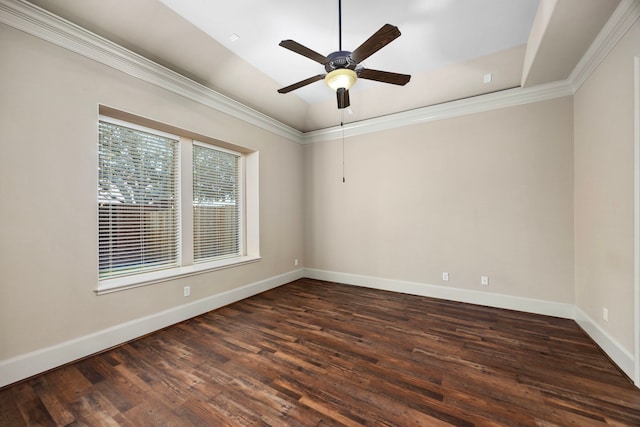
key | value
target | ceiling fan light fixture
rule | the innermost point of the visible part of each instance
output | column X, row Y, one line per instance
column 342, row 78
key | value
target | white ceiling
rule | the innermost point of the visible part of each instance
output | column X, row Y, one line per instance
column 430, row 32
column 448, row 46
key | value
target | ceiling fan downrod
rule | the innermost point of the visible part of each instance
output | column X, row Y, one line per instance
column 339, row 24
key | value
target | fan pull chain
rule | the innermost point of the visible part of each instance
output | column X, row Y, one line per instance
column 342, row 126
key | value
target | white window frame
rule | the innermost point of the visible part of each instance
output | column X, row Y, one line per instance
column 249, row 217
column 241, row 191
column 172, row 137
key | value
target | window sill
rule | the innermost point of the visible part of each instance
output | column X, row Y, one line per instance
column 122, row 283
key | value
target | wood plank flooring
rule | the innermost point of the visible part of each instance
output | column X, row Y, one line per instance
column 314, row 353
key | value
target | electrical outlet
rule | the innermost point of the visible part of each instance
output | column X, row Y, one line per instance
column 186, row 291
column 295, row 261
column 445, row 276
column 484, row 280
column 605, row 314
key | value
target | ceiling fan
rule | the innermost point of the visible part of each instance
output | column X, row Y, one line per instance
column 343, row 67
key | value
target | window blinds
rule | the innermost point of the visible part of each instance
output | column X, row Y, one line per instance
column 138, row 224
column 216, row 204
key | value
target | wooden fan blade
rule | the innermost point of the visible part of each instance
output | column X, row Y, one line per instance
column 384, row 76
column 304, row 51
column 301, row 83
column 380, row 39
column 343, row 98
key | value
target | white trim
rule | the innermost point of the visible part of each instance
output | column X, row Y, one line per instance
column 252, row 203
column 38, row 22
column 616, row 27
column 529, row 305
column 185, row 220
column 476, row 104
column 107, row 286
column 30, row 364
column 636, row 219
column 618, row 354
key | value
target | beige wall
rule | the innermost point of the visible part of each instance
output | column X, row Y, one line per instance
column 48, row 180
column 483, row 194
column 604, row 191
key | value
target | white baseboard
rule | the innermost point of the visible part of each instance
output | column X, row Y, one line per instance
column 33, row 363
column 617, row 353
column 529, row 305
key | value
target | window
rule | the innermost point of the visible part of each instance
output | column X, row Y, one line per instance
column 216, row 211
column 170, row 206
column 137, row 201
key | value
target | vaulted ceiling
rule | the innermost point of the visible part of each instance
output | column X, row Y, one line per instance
column 453, row 49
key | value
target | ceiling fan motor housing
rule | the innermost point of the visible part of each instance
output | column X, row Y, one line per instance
column 338, row 60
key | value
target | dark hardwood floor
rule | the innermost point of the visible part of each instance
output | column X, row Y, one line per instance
column 313, row 353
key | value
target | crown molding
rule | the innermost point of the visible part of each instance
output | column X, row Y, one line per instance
column 625, row 15
column 477, row 104
column 40, row 23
